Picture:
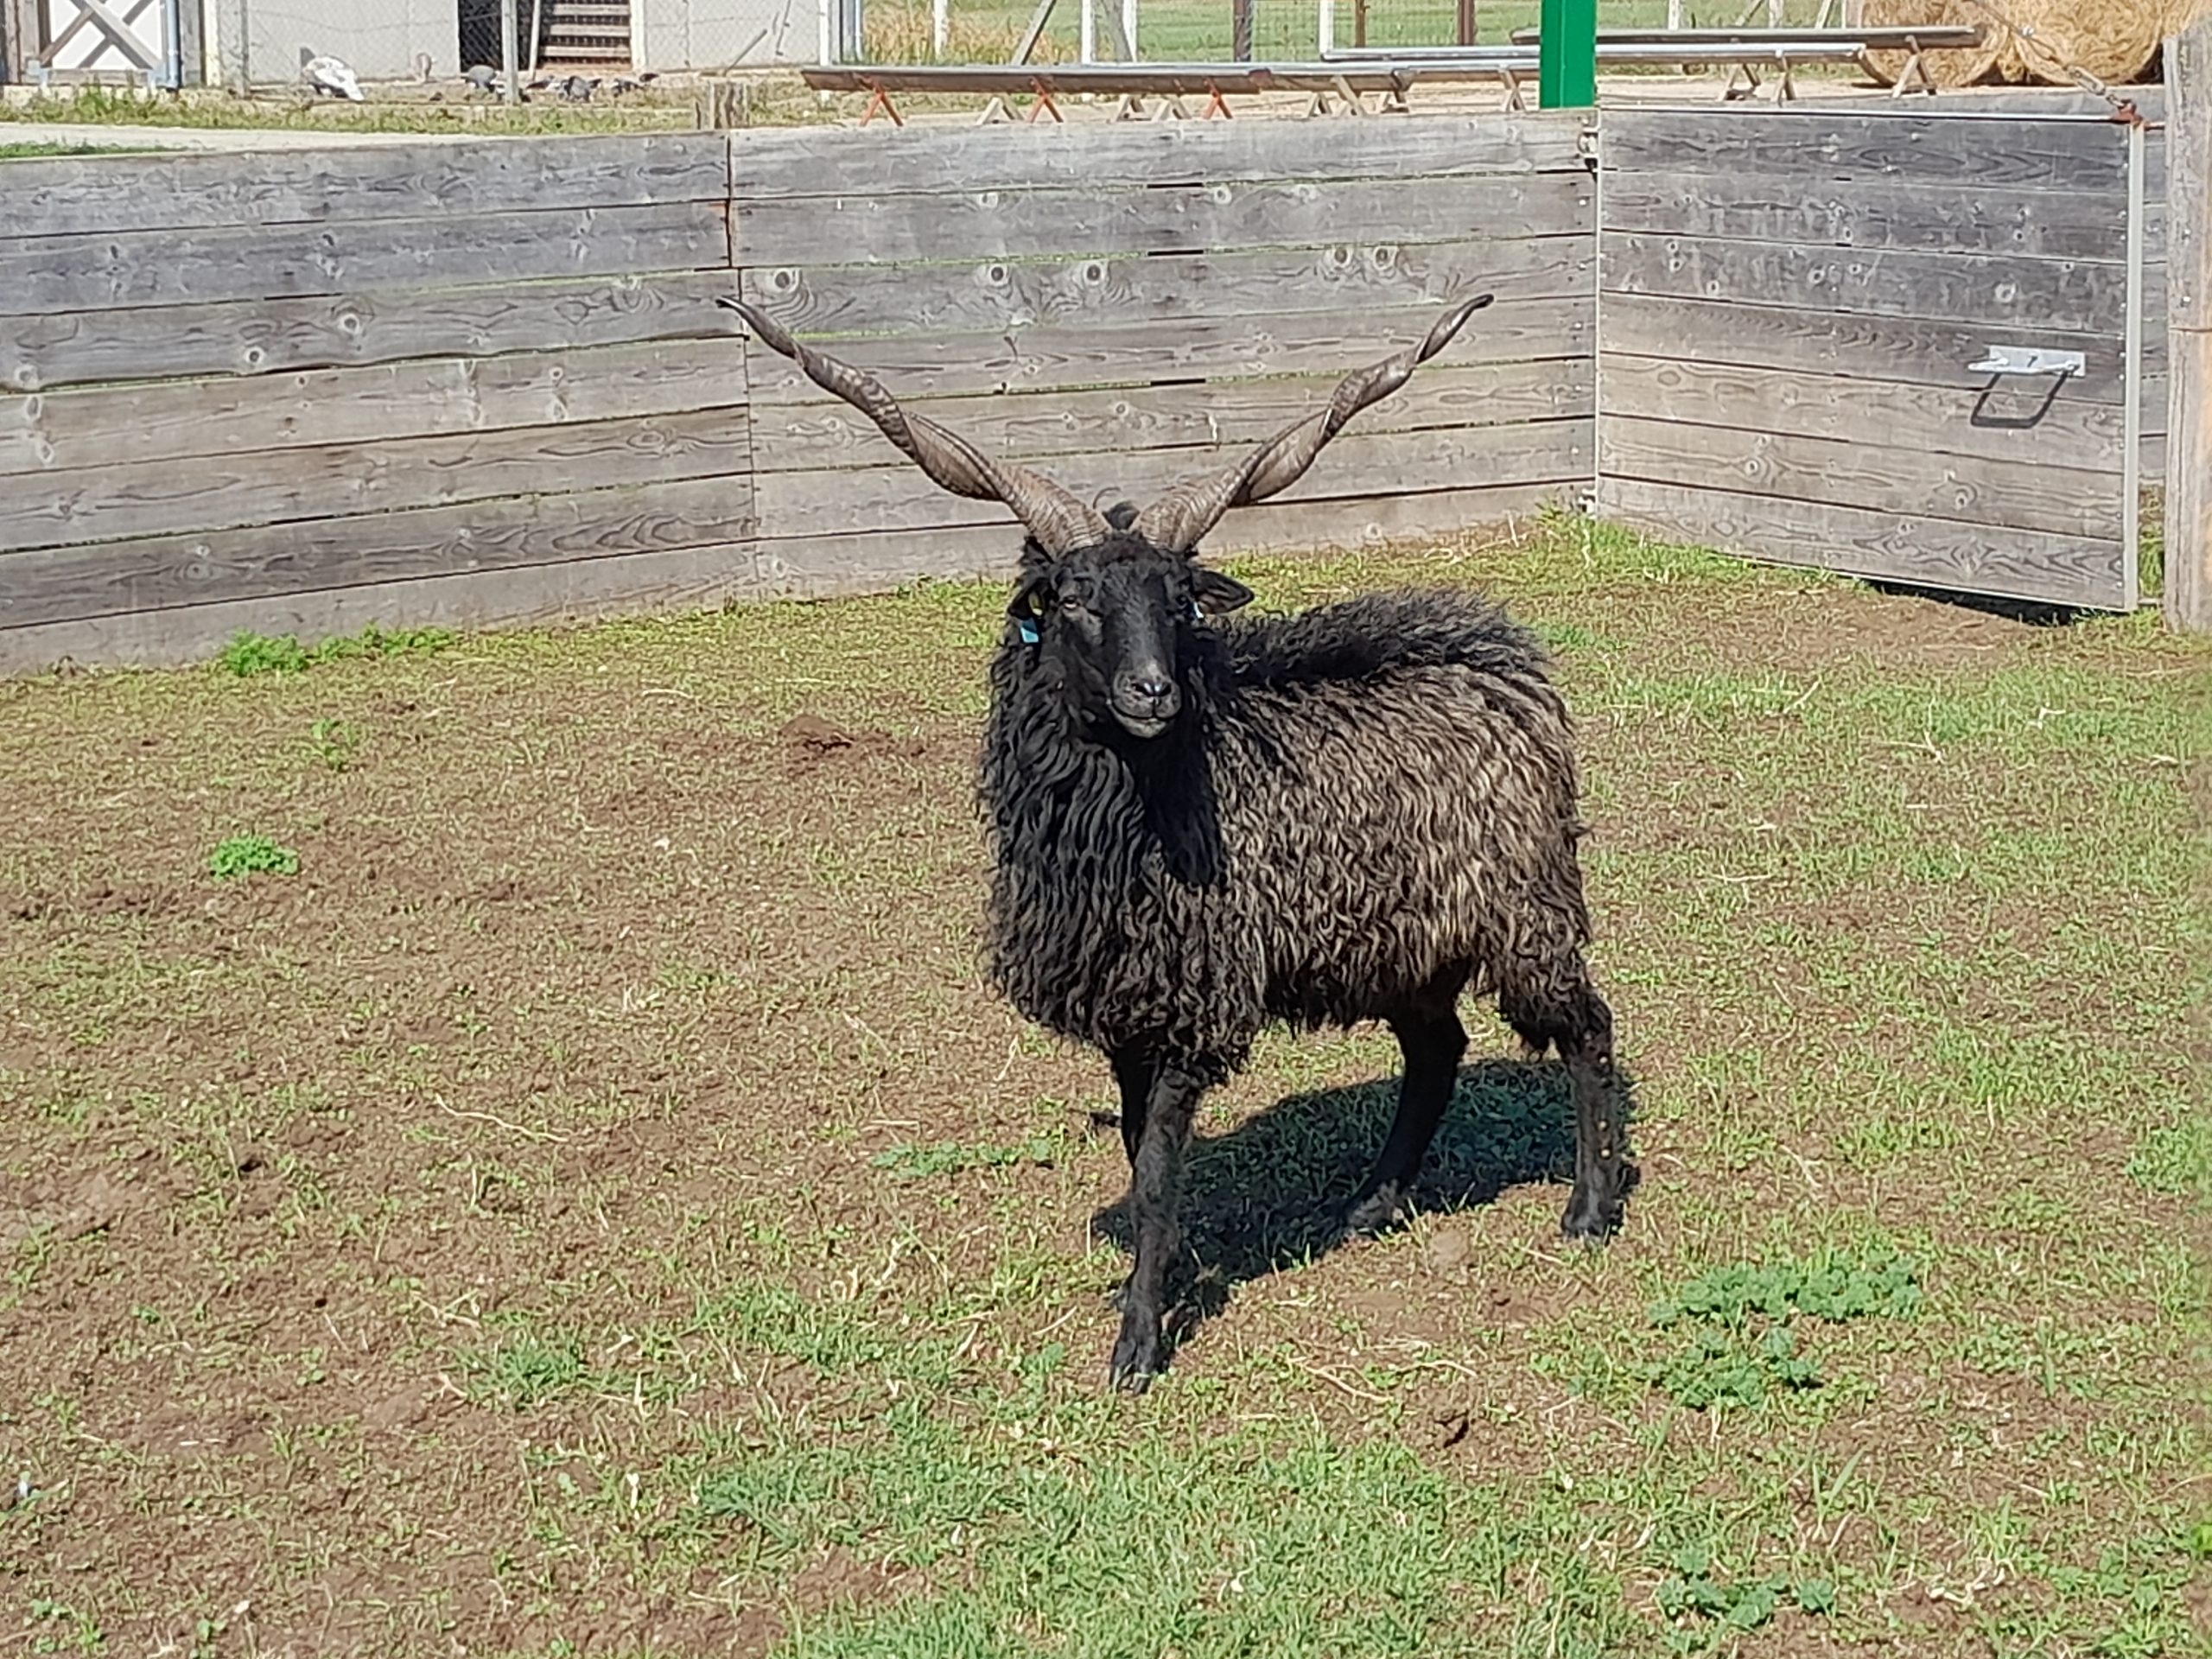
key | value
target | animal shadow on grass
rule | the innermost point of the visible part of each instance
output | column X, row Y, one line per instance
column 1271, row 1193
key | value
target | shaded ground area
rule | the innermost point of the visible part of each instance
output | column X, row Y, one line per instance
column 589, row 1204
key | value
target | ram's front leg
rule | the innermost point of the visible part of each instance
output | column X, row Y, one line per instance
column 1156, row 1184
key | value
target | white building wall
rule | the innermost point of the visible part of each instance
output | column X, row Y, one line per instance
column 379, row 38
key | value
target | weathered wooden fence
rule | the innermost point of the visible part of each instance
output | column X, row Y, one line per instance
column 487, row 383
column 1801, row 316
column 307, row 391
column 1117, row 306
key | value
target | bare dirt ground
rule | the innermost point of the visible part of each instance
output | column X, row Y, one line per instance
column 591, row 1204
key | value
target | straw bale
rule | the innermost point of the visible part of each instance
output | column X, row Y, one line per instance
column 1965, row 67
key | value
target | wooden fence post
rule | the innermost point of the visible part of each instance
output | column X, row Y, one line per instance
column 2188, row 328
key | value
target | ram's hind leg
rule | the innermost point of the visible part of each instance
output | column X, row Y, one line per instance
column 1569, row 1014
column 1434, row 1042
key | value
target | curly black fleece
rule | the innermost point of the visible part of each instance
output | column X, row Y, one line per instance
column 1360, row 805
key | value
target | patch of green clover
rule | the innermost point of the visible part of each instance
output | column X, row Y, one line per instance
column 1740, row 1323
column 1704, row 1605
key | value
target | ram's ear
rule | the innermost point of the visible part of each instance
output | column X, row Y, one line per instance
column 1029, row 595
column 1216, row 595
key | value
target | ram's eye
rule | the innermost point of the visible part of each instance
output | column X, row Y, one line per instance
column 1071, row 602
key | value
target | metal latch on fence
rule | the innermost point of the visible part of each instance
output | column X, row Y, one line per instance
column 2028, row 359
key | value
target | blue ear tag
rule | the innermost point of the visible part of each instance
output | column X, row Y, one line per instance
column 1028, row 630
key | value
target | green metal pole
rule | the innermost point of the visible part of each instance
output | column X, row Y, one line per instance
column 1566, row 70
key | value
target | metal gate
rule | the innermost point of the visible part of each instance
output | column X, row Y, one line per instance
column 1907, row 346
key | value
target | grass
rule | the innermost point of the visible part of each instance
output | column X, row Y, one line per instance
column 398, row 110
column 900, row 31
column 248, row 654
column 604, row 1211
column 239, row 855
column 10, row 152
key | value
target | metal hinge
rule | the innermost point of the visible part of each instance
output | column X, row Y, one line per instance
column 2027, row 359
column 1585, row 145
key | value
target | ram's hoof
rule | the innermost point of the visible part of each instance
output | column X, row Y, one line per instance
column 1378, row 1212
column 1136, row 1354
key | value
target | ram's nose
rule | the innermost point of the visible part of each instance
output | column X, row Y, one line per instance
column 1145, row 700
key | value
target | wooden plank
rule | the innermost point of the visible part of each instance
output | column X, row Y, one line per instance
column 1178, row 219
column 173, row 420
column 206, row 190
column 248, row 337
column 165, row 572
column 213, row 493
column 2187, row 599
column 1319, row 342
column 1861, row 542
column 2156, row 392
column 1904, row 149
column 876, row 561
column 1362, row 465
column 1815, row 343
column 999, row 295
column 1870, row 214
column 815, row 162
column 1997, row 496
column 109, row 270
column 1993, row 293
column 658, row 582
column 2013, row 420
column 2040, row 101
column 795, row 437
column 629, row 584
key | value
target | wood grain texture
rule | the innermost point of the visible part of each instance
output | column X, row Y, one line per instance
column 633, row 584
column 284, row 336
column 208, row 190
column 1997, row 497
column 1991, row 291
column 1358, row 466
column 1860, row 542
column 160, row 572
column 1871, row 214
column 2187, row 471
column 1903, row 148
column 665, row 582
column 792, row 437
column 1818, row 343
column 1318, row 342
column 107, row 271
column 1175, row 219
column 877, row 561
column 2042, row 102
column 2189, row 195
column 998, row 294
column 173, row 420
column 2012, row 419
column 2187, row 599
column 815, row 162
column 260, row 487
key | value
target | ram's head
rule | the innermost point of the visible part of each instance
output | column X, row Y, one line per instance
column 1111, row 596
